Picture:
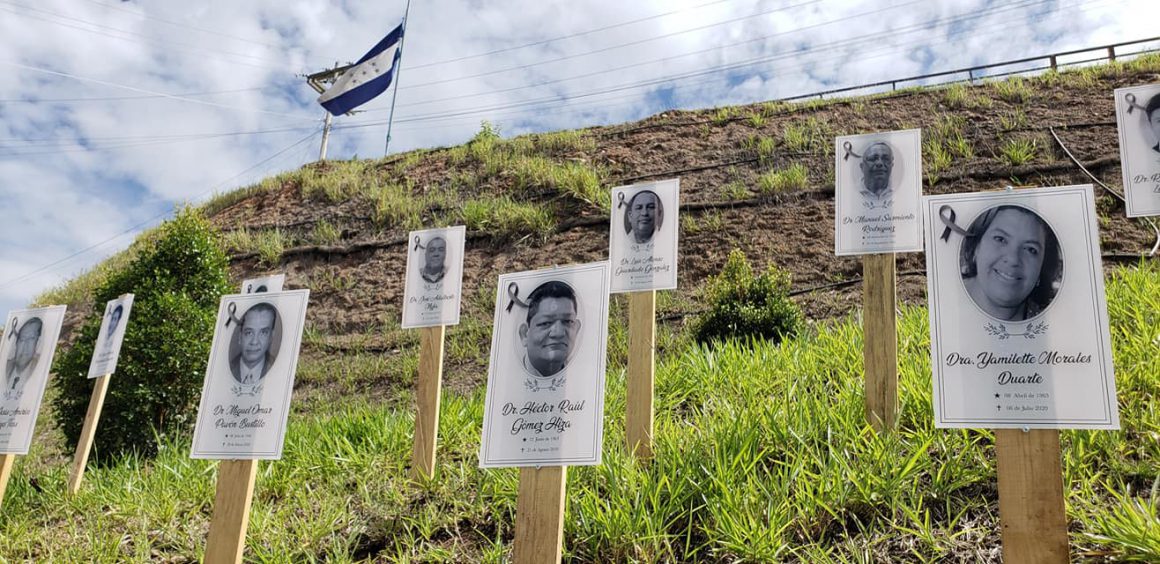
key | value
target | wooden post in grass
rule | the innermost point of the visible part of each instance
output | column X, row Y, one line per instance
column 427, row 396
column 880, row 347
column 641, row 351
column 1031, row 510
column 6, row 462
column 540, row 516
column 231, row 511
column 88, row 433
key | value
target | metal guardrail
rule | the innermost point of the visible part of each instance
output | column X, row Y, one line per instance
column 1050, row 62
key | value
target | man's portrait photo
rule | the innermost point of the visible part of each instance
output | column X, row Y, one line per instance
column 114, row 323
column 255, row 343
column 643, row 216
column 1010, row 263
column 876, row 166
column 265, row 284
column 548, row 348
column 877, row 190
column 21, row 366
column 549, row 330
column 434, row 277
column 434, row 260
column 1138, row 128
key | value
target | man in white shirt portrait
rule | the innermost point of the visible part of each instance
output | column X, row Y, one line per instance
column 19, row 368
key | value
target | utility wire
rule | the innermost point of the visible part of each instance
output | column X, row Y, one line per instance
column 115, row 98
column 147, row 16
column 145, row 91
column 563, row 37
column 142, row 224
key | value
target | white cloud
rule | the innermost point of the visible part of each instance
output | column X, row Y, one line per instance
column 59, row 198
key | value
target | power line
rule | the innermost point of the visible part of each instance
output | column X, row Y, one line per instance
column 138, row 226
column 751, row 62
column 563, row 37
column 620, row 46
column 180, row 136
column 145, row 91
column 115, row 98
column 179, row 24
column 149, row 39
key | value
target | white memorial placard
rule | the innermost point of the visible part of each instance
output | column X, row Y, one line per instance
column 112, row 333
column 642, row 241
column 1018, row 319
column 434, row 277
column 245, row 399
column 272, row 283
column 27, row 349
column 1138, row 121
column 545, row 384
column 877, row 193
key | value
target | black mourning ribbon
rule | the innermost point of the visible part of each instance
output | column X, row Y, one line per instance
column 418, row 244
column 620, row 203
column 232, row 318
column 1131, row 100
column 947, row 215
column 513, row 291
column 12, row 329
column 848, row 149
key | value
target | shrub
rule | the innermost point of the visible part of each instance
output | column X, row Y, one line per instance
column 743, row 305
column 178, row 280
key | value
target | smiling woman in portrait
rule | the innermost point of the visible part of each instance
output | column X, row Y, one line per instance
column 1010, row 263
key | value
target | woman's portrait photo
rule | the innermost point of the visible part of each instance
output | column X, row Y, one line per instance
column 255, row 343
column 643, row 216
column 1010, row 262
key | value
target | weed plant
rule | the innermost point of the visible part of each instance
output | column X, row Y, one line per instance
column 793, row 177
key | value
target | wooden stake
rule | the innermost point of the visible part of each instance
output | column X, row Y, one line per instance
column 540, row 516
column 88, row 433
column 231, row 511
column 6, row 461
column 427, row 395
column 1031, row 509
column 641, row 351
column 880, row 348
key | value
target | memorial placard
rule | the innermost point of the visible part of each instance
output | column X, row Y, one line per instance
column 642, row 242
column 246, row 396
column 1018, row 318
column 877, row 192
column 1138, row 121
column 27, row 349
column 545, row 384
column 112, row 333
column 272, row 283
column 434, row 277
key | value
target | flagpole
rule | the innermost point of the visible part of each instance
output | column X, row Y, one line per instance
column 398, row 77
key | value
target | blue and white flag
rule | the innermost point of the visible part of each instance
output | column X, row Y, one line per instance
column 368, row 77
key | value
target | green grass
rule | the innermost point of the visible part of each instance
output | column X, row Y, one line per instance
column 811, row 134
column 503, row 215
column 325, row 233
column 762, row 454
column 267, row 243
column 396, row 205
column 1014, row 90
column 1018, row 151
column 962, row 97
column 793, row 177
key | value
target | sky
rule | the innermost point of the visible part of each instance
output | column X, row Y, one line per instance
column 113, row 113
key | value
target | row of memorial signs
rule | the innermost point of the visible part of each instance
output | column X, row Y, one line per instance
column 1019, row 323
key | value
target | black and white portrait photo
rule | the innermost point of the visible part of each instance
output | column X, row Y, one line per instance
column 27, row 350
column 545, row 390
column 878, row 185
column 1018, row 318
column 255, row 343
column 250, row 376
column 112, row 333
column 1138, row 121
column 272, row 283
column 642, row 243
column 434, row 276
column 1010, row 263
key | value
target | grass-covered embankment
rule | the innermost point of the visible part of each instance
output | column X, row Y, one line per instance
column 762, row 455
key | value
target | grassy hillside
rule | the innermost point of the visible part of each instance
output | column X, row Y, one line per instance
column 762, row 455
column 740, row 476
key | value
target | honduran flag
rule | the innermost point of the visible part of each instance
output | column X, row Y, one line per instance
column 367, row 78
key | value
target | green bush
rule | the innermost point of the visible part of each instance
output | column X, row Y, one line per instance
column 178, row 276
column 743, row 305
